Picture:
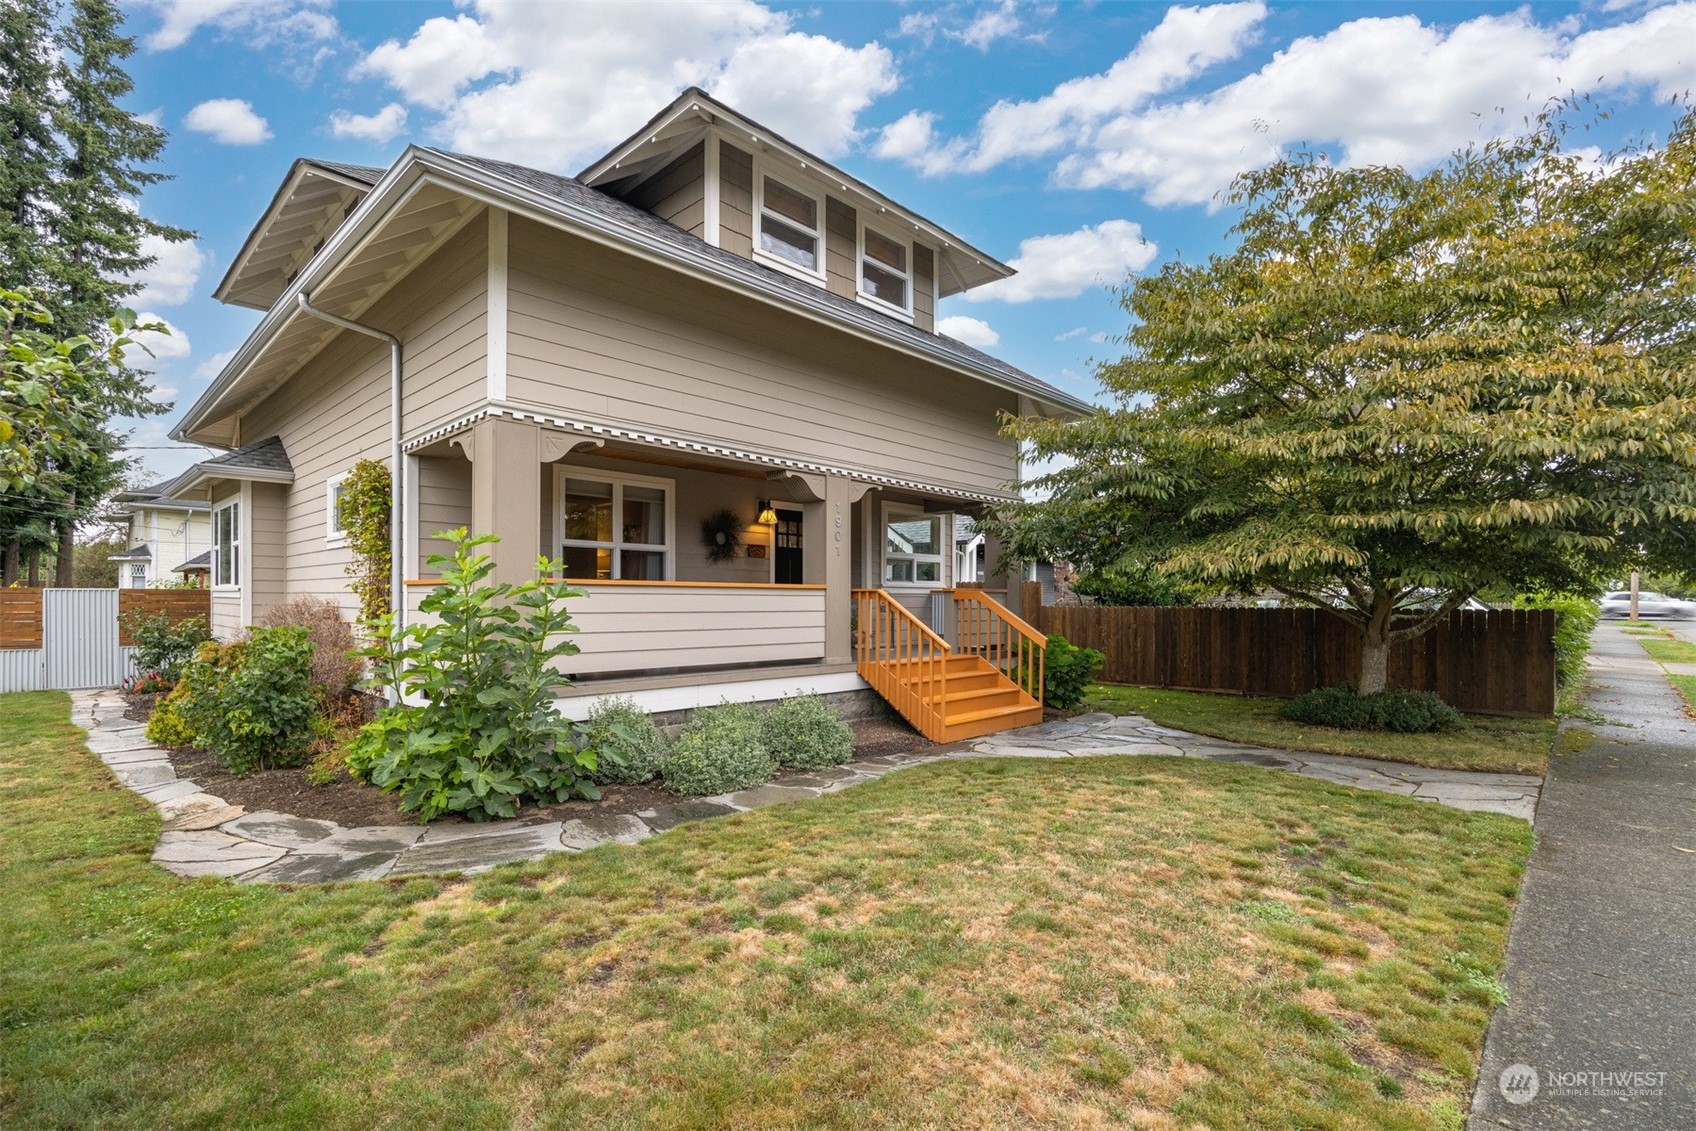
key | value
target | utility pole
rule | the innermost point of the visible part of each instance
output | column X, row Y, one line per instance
column 1636, row 579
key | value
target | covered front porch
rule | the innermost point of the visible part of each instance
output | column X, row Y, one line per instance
column 702, row 566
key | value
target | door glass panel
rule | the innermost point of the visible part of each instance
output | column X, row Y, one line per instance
column 588, row 510
column 586, row 563
column 642, row 565
column 789, row 243
column 644, row 515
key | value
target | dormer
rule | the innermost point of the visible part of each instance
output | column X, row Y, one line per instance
column 311, row 204
column 742, row 188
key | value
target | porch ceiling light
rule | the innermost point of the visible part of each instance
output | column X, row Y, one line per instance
column 768, row 517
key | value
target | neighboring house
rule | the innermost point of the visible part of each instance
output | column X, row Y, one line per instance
column 166, row 535
column 706, row 319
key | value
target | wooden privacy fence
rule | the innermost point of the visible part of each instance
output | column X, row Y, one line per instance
column 58, row 639
column 1500, row 662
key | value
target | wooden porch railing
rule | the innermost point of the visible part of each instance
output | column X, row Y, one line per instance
column 985, row 627
column 903, row 660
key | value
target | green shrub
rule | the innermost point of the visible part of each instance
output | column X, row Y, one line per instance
column 722, row 750
column 1576, row 618
column 805, row 733
column 166, row 725
column 1067, row 672
column 334, row 662
column 480, row 734
column 1394, row 709
column 250, row 704
column 628, row 746
column 162, row 648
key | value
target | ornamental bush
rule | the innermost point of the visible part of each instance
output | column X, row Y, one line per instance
column 628, row 746
column 1067, row 672
column 1576, row 618
column 250, row 704
column 166, row 725
column 162, row 648
column 334, row 664
column 1394, row 709
column 721, row 750
column 480, row 734
column 805, row 733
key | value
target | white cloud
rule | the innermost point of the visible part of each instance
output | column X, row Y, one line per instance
column 1064, row 266
column 1185, row 43
column 921, row 26
column 990, row 25
column 501, row 74
column 154, row 349
column 1374, row 90
column 229, row 121
column 212, row 366
column 380, row 127
column 972, row 331
column 261, row 23
column 175, row 270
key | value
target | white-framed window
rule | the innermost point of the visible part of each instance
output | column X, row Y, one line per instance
column 138, row 576
column 914, row 545
column 886, row 271
column 335, row 518
column 789, row 223
column 614, row 527
column 226, row 544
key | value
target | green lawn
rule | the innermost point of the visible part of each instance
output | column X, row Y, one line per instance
column 1670, row 651
column 1154, row 942
column 1483, row 742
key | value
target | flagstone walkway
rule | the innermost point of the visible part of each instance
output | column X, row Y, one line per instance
column 205, row 836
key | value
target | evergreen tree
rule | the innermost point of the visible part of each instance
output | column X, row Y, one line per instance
column 31, row 152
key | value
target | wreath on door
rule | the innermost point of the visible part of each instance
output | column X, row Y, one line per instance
column 721, row 534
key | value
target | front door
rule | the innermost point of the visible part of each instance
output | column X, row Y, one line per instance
column 786, row 543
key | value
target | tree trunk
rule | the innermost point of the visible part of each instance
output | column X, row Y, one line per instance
column 64, row 570
column 9, row 563
column 35, row 568
column 1374, row 659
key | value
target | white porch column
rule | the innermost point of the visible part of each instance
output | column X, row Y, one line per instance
column 506, row 494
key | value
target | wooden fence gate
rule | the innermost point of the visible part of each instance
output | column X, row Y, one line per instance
column 66, row 639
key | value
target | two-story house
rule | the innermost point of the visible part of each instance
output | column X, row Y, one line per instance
column 170, row 539
column 708, row 319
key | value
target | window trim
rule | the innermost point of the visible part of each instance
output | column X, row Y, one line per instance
column 333, row 536
column 797, row 185
column 618, row 480
column 945, row 521
column 234, row 583
column 905, row 313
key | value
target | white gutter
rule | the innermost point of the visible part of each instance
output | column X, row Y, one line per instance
column 397, row 461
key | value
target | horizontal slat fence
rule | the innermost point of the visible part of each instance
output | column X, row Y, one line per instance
column 1500, row 662
column 20, row 618
column 179, row 604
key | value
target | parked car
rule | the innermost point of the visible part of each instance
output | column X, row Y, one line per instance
column 1659, row 605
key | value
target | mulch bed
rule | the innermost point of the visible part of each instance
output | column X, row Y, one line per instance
column 353, row 804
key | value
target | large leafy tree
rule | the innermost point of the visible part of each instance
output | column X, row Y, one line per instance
column 1397, row 391
column 72, row 235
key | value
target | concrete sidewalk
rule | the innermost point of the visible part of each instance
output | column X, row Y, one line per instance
column 1600, row 1026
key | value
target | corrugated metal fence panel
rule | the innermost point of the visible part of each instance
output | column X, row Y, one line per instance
column 80, row 627
column 20, row 669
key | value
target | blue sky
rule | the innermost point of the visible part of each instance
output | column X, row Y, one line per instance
column 1082, row 142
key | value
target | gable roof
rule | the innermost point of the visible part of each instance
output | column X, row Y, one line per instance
column 265, row 461
column 685, row 121
column 201, row 561
column 133, row 554
column 155, row 496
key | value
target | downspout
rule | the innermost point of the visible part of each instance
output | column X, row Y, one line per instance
column 397, row 461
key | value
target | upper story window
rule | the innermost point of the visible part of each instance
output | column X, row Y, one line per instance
column 886, row 270
column 791, row 225
column 226, row 545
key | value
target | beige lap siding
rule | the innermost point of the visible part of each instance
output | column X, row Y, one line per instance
column 266, row 566
column 600, row 334
column 336, row 410
column 647, row 628
column 677, row 194
column 444, row 503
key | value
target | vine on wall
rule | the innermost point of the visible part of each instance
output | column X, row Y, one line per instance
column 365, row 520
